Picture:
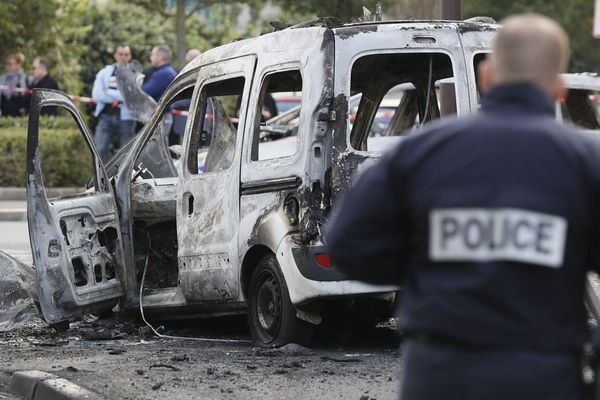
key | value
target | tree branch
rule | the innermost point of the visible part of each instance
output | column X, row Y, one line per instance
column 195, row 9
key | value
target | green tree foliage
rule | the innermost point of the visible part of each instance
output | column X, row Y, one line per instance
column 204, row 33
column 347, row 10
column 50, row 28
column 576, row 16
column 115, row 23
column 180, row 12
column 65, row 158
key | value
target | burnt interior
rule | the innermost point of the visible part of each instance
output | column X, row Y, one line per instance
column 156, row 159
column 580, row 109
column 214, row 132
column 374, row 75
column 79, row 272
column 159, row 251
column 275, row 83
column 153, row 191
column 92, row 249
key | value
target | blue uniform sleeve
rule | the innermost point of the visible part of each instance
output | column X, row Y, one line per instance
column 156, row 85
column 368, row 234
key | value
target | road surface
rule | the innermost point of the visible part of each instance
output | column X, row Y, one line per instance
column 118, row 358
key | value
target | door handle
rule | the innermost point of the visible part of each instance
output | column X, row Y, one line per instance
column 190, row 203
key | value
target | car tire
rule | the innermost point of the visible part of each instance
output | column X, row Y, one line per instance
column 272, row 316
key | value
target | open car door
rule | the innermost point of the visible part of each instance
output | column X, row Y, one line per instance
column 75, row 240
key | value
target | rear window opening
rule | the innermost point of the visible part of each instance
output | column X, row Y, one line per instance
column 392, row 94
column 580, row 107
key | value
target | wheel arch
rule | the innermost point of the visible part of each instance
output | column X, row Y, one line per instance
column 250, row 262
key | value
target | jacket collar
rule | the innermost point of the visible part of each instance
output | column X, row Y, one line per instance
column 517, row 98
column 163, row 66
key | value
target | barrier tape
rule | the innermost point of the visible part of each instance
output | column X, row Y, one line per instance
column 180, row 112
column 89, row 100
column 80, row 99
column 15, row 89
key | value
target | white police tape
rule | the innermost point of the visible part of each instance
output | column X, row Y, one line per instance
column 504, row 234
column 81, row 99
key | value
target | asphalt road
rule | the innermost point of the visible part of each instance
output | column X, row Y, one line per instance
column 14, row 240
column 119, row 358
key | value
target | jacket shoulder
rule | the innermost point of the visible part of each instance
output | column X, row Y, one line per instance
column 104, row 70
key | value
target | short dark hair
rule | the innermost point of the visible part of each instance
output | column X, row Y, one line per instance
column 164, row 51
column 43, row 61
column 122, row 45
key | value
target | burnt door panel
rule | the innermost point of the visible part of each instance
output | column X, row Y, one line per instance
column 75, row 240
column 208, row 191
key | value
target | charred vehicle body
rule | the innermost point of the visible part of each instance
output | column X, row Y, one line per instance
column 231, row 220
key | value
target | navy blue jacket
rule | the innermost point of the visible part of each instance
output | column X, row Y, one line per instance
column 159, row 81
column 489, row 223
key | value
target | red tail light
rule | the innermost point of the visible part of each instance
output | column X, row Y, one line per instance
column 323, row 260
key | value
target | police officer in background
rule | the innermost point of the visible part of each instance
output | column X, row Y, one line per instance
column 490, row 224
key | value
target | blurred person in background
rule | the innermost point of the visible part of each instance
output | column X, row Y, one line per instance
column 12, row 102
column 114, row 119
column 191, row 54
column 181, row 107
column 41, row 79
column 163, row 73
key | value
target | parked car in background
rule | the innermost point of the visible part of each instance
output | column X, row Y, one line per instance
column 581, row 105
column 286, row 101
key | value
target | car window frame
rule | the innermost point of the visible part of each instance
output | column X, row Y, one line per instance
column 199, row 120
column 411, row 50
column 285, row 160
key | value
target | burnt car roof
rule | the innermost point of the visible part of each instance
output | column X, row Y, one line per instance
column 583, row 80
column 252, row 45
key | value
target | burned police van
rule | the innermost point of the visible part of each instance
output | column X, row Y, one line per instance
column 230, row 220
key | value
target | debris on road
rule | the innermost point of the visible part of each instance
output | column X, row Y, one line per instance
column 17, row 291
column 167, row 366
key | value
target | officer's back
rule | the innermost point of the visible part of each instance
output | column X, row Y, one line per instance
column 490, row 224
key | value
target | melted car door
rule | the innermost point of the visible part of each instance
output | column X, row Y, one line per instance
column 208, row 192
column 75, row 240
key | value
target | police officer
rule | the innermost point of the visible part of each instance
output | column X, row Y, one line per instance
column 490, row 224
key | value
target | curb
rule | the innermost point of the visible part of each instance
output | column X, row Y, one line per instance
column 19, row 193
column 17, row 214
column 13, row 214
column 39, row 385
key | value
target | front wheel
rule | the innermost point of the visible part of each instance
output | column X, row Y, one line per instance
column 272, row 316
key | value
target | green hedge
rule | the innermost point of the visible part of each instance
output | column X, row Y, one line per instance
column 66, row 160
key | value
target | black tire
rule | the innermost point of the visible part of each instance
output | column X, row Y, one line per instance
column 272, row 316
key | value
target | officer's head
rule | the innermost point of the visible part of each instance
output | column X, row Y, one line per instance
column 530, row 48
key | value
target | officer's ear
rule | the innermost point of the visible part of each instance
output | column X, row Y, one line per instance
column 560, row 90
column 484, row 75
